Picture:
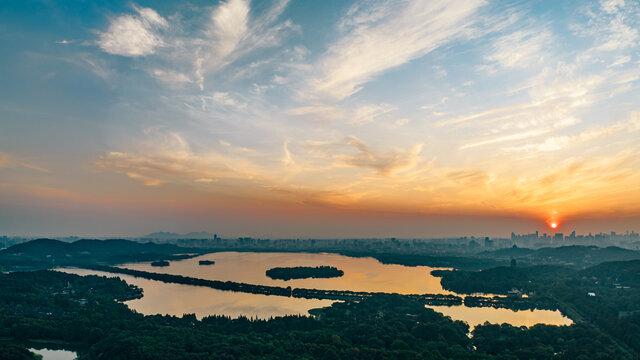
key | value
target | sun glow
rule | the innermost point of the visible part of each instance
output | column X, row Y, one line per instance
column 552, row 220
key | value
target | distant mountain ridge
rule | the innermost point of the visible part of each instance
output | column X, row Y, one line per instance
column 163, row 235
column 49, row 252
column 51, row 246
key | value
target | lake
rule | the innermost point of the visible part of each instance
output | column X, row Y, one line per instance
column 479, row 315
column 55, row 354
column 360, row 274
column 178, row 299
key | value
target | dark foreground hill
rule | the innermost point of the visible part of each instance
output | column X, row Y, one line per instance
column 616, row 273
column 47, row 252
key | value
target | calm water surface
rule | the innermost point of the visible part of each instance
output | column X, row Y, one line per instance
column 177, row 299
column 479, row 315
column 360, row 274
column 54, row 354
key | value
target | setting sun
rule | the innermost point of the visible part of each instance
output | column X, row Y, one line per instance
column 554, row 225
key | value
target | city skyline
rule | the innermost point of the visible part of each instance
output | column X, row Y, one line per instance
column 324, row 119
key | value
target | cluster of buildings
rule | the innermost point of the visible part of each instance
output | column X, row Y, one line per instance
column 472, row 244
column 629, row 240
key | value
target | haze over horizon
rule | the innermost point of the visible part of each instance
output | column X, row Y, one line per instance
column 319, row 119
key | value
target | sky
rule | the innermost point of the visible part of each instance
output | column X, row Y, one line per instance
column 319, row 118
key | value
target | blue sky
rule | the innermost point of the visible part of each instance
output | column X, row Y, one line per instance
column 408, row 118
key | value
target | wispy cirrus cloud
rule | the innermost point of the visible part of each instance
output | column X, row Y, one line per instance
column 4, row 160
column 537, row 131
column 230, row 32
column 622, row 28
column 556, row 95
column 229, row 23
column 621, row 60
column 468, row 177
column 173, row 79
column 520, row 48
column 382, row 163
column 168, row 157
column 631, row 124
column 10, row 161
column 383, row 35
column 559, row 90
column 356, row 115
column 226, row 29
column 613, row 24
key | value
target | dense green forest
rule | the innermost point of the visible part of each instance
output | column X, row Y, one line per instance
column 15, row 352
column 304, row 272
column 605, row 296
column 49, row 306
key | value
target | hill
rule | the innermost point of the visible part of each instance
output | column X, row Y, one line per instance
column 623, row 273
column 44, row 253
column 162, row 235
column 501, row 279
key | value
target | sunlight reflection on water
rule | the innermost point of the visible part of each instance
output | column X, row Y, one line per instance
column 360, row 274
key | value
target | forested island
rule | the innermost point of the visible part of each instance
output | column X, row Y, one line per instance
column 206, row 262
column 304, row 272
column 160, row 263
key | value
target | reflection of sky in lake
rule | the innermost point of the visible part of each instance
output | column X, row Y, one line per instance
column 178, row 299
column 479, row 315
column 55, row 354
column 361, row 274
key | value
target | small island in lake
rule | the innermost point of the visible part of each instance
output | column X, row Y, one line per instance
column 160, row 263
column 206, row 262
column 304, row 272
